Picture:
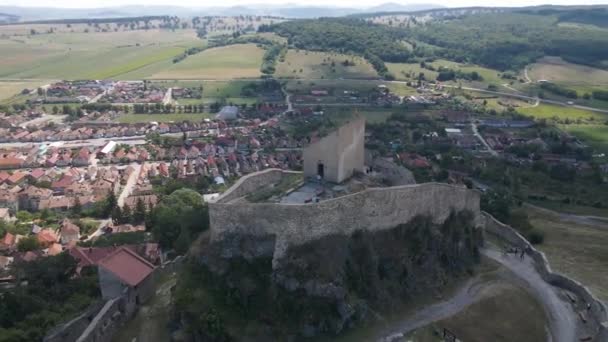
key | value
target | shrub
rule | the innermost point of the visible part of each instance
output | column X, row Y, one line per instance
column 536, row 237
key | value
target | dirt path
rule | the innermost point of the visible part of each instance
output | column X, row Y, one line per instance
column 563, row 321
column 150, row 321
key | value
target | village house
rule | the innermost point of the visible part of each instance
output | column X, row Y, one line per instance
column 125, row 269
column 69, row 232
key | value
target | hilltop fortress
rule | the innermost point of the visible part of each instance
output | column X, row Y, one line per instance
column 333, row 158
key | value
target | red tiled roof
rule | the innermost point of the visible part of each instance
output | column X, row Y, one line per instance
column 127, row 266
column 9, row 239
column 47, row 236
column 37, row 173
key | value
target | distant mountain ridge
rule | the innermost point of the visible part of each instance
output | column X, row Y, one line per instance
column 17, row 13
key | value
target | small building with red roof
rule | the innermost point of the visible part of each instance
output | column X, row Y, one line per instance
column 125, row 270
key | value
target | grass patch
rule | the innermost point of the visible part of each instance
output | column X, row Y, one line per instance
column 137, row 118
column 595, row 136
column 371, row 115
column 234, row 61
column 10, row 90
column 286, row 183
column 311, row 65
column 575, row 248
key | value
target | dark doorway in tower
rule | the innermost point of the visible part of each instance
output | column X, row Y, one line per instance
column 320, row 170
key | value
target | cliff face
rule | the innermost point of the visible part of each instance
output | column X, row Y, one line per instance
column 327, row 285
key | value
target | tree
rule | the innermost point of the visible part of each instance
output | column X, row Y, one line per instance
column 116, row 215
column 127, row 216
column 77, row 208
column 182, row 212
column 110, row 203
column 29, row 243
column 139, row 214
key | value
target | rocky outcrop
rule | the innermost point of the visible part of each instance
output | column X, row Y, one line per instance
column 373, row 209
column 330, row 283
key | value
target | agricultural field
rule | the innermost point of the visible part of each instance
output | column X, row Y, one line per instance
column 9, row 89
column 575, row 246
column 227, row 62
column 316, row 65
column 137, row 118
column 561, row 113
column 91, row 55
column 556, row 70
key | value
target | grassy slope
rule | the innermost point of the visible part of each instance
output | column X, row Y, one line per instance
column 576, row 249
column 234, row 61
column 318, row 65
column 511, row 315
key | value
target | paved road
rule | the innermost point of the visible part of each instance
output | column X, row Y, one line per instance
column 125, row 192
column 563, row 321
column 44, row 118
column 483, row 141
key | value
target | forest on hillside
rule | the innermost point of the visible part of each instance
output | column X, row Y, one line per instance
column 503, row 41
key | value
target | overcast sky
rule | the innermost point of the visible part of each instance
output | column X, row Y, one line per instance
column 340, row 3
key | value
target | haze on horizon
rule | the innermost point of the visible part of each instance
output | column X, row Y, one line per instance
column 334, row 3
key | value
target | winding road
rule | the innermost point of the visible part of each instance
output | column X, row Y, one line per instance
column 562, row 319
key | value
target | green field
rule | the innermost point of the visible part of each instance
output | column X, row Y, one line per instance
column 551, row 112
column 313, row 65
column 137, row 118
column 92, row 55
column 227, row 62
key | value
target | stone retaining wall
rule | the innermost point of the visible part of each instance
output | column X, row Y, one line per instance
column 599, row 313
column 371, row 209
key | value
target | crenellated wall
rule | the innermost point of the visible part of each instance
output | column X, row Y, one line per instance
column 371, row 209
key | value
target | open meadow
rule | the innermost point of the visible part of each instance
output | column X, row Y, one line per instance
column 227, row 62
column 313, row 65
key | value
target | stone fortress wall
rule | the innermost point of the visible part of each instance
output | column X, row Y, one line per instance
column 598, row 312
column 371, row 209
